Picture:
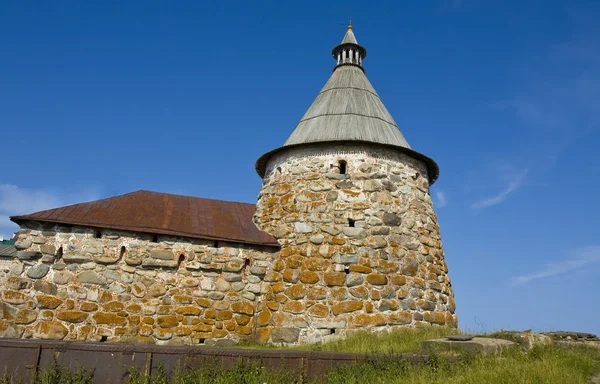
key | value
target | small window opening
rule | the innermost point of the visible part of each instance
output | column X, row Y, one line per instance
column 122, row 253
column 351, row 222
column 247, row 262
column 98, row 235
column 155, row 239
column 201, row 341
column 181, row 260
column 103, row 339
column 217, row 244
column 278, row 169
column 343, row 164
column 332, row 331
column 59, row 253
column 347, row 270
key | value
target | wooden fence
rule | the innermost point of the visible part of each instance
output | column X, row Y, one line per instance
column 111, row 362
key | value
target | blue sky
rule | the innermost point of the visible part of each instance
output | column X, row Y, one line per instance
column 100, row 98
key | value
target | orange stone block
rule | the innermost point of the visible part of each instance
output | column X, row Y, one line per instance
column 309, row 277
column 72, row 316
column 316, row 264
column 263, row 334
column 188, row 310
column 132, row 308
column 205, row 303
column 398, row 279
column 400, row 318
column 294, row 262
column 318, row 310
column 263, row 319
column 108, row 319
column 317, row 293
column 167, row 321
column 297, row 291
column 210, row 314
column 377, row 279
column 291, row 275
column 294, row 307
column 273, row 305
column 242, row 307
column 202, row 328
column 50, row 302
column 219, row 333
column 360, row 269
column 334, row 278
column 244, row 330
column 278, row 319
column 346, row 306
column 113, row 306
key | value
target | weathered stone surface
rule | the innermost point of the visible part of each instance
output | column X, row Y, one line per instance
column 391, row 219
column 71, row 316
column 45, row 287
column 162, row 254
column 285, row 335
column 76, row 258
column 23, row 244
column 109, row 318
column 27, row 255
column 50, row 330
column 156, row 290
column 38, row 271
column 63, row 277
column 90, row 277
column 483, row 345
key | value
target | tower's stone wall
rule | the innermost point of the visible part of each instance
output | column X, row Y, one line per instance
column 360, row 250
column 66, row 284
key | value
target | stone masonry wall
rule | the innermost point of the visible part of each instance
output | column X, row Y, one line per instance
column 360, row 250
column 68, row 284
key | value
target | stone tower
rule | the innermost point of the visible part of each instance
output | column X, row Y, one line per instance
column 348, row 201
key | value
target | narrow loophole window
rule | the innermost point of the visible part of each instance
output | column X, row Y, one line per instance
column 247, row 262
column 332, row 331
column 343, row 164
column 98, row 235
column 201, row 341
column 59, row 253
column 155, row 239
column 181, row 260
column 122, row 253
column 347, row 270
column 103, row 339
column 351, row 223
column 217, row 244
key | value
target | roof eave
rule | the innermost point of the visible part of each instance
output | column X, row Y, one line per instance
column 433, row 170
column 157, row 231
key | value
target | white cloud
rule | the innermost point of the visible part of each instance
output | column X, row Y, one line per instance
column 441, row 198
column 580, row 258
column 15, row 200
column 513, row 185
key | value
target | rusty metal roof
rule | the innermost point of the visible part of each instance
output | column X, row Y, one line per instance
column 162, row 213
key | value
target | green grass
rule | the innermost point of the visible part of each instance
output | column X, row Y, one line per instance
column 551, row 364
column 547, row 364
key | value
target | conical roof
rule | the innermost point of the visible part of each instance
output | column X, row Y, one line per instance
column 348, row 109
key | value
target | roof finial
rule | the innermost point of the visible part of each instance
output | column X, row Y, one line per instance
column 350, row 24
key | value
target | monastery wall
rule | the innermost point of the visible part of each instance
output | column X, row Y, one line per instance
column 68, row 284
column 360, row 250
